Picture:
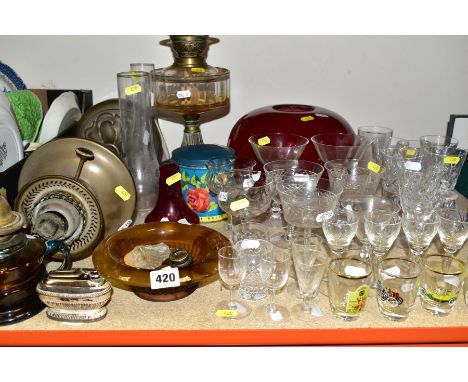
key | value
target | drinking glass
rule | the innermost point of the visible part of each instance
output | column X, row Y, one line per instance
column 380, row 137
column 441, row 283
column 452, row 228
column 397, row 287
column 348, row 286
column 274, row 268
column 381, row 229
column 438, row 142
column 420, row 227
column 340, row 229
column 231, row 270
column 251, row 252
column 310, row 267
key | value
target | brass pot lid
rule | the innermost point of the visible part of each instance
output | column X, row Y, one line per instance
column 106, row 176
column 10, row 221
column 60, row 208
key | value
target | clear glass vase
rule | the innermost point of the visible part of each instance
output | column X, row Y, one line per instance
column 137, row 139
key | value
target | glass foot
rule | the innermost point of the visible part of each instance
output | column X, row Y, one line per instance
column 273, row 317
column 232, row 310
column 300, row 312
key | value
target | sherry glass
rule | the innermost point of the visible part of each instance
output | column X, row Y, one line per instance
column 310, row 266
column 420, row 227
column 231, row 270
column 381, row 229
column 340, row 229
column 274, row 268
column 452, row 229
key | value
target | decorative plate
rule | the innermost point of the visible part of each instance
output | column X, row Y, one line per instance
column 11, row 145
column 9, row 80
column 62, row 114
column 28, row 112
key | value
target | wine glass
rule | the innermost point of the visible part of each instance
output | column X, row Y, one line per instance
column 381, row 229
column 340, row 229
column 420, row 227
column 274, row 268
column 218, row 172
column 231, row 270
column 452, row 229
column 275, row 147
column 289, row 167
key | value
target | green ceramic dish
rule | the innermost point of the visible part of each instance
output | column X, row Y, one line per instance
column 28, row 112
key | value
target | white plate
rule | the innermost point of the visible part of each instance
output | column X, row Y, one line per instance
column 11, row 145
column 62, row 114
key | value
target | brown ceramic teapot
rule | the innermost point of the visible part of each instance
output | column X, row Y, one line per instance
column 22, row 266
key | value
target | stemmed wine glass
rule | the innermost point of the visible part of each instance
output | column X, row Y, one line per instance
column 274, row 268
column 419, row 227
column 452, row 229
column 340, row 229
column 231, row 269
column 272, row 148
column 219, row 170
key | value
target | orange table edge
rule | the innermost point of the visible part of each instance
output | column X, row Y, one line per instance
column 367, row 336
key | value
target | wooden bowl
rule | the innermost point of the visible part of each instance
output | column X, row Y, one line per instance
column 201, row 242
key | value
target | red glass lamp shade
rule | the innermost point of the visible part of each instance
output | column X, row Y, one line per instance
column 302, row 120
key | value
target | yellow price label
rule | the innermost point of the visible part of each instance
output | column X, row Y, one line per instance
column 410, row 152
column 173, row 179
column 374, row 167
column 307, row 118
column 123, row 193
column 239, row 204
column 225, row 313
column 451, row 160
column 133, row 89
column 263, row 141
column 198, row 70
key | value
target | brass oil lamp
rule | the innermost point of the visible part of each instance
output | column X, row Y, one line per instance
column 190, row 87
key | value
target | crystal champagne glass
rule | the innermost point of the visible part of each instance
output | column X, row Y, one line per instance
column 420, row 227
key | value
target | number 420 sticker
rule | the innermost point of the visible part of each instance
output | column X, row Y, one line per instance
column 165, row 278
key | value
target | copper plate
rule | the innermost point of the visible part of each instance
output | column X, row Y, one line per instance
column 101, row 123
column 102, row 176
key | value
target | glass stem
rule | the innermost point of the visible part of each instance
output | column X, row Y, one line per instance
column 232, row 305
column 276, row 209
column 272, row 306
column 307, row 304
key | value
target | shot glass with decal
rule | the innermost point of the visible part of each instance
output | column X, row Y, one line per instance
column 397, row 287
column 441, row 283
column 348, row 287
